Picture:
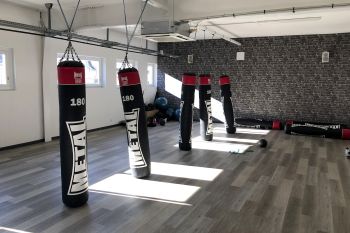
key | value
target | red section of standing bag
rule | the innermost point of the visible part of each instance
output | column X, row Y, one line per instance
column 224, row 80
column 276, row 124
column 189, row 79
column 204, row 80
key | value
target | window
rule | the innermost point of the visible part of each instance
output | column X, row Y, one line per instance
column 119, row 64
column 93, row 70
column 6, row 70
column 151, row 73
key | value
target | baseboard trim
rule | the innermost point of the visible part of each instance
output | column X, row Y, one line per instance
column 21, row 144
column 55, row 138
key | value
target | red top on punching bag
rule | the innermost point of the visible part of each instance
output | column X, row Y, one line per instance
column 204, row 79
column 224, row 80
column 128, row 77
column 189, row 79
column 71, row 75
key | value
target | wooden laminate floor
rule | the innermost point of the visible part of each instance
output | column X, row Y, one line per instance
column 297, row 184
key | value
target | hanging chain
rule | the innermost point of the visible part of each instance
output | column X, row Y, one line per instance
column 126, row 63
column 70, row 53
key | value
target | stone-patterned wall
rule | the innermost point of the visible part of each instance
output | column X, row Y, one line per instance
column 280, row 78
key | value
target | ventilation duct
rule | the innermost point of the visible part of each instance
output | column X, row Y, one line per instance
column 163, row 31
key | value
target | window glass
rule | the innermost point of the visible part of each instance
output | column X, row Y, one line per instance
column 7, row 78
column 3, row 76
column 151, row 73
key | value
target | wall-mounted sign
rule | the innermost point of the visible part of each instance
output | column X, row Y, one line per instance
column 190, row 59
column 240, row 56
column 325, row 57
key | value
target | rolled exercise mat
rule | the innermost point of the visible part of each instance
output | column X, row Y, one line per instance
column 205, row 114
column 226, row 100
column 72, row 112
column 257, row 123
column 136, row 124
column 186, row 115
column 337, row 131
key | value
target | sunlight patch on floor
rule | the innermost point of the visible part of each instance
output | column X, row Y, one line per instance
column 183, row 171
column 11, row 230
column 127, row 185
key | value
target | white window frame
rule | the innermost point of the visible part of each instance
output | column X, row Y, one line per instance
column 132, row 62
column 154, row 78
column 10, row 70
column 101, row 61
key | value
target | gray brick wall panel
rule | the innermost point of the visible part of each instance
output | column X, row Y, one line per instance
column 281, row 77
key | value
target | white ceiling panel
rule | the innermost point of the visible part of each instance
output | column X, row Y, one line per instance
column 322, row 21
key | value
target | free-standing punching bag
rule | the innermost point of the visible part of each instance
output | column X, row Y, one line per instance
column 186, row 107
column 205, row 114
column 136, row 125
column 72, row 112
column 227, row 104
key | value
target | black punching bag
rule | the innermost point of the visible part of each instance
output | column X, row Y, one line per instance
column 317, row 129
column 74, row 174
column 136, row 125
column 205, row 114
column 227, row 104
column 186, row 107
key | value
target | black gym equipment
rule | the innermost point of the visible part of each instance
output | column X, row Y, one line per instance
column 226, row 101
column 72, row 112
column 136, row 124
column 258, row 123
column 336, row 131
column 151, row 122
column 186, row 106
column 205, row 114
column 262, row 143
column 161, row 121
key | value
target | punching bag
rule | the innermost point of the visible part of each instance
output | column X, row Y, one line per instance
column 336, row 131
column 186, row 107
column 136, row 125
column 227, row 104
column 72, row 112
column 258, row 123
column 205, row 114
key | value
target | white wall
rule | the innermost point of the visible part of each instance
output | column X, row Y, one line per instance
column 104, row 105
column 21, row 114
column 30, row 112
column 12, row 12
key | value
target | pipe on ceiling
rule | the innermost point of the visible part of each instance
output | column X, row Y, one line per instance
column 263, row 12
column 63, row 35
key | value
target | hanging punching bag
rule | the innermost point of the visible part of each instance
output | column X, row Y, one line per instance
column 186, row 107
column 227, row 104
column 205, row 114
column 135, row 117
column 72, row 112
